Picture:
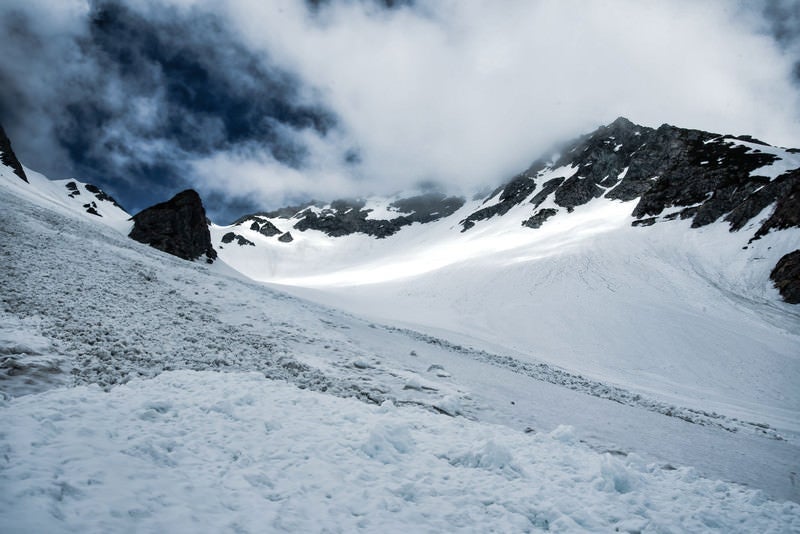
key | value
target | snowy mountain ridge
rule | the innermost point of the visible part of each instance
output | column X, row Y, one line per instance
column 661, row 175
column 672, row 172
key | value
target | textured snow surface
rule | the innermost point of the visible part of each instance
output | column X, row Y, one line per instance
column 685, row 315
column 214, row 452
column 146, row 393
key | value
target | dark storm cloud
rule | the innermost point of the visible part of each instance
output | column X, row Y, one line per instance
column 783, row 17
column 204, row 74
column 152, row 91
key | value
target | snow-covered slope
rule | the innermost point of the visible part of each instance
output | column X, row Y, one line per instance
column 676, row 304
column 403, row 431
column 213, row 452
column 681, row 314
column 70, row 195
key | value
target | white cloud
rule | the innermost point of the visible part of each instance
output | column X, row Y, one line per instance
column 470, row 92
column 251, row 172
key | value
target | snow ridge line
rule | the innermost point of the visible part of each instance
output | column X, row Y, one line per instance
column 575, row 382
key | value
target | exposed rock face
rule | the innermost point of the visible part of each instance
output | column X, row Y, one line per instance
column 8, row 157
column 91, row 207
column 286, row 238
column 787, row 210
column 178, row 227
column 511, row 194
column 240, row 240
column 786, row 276
column 102, row 195
column 547, row 188
column 264, row 227
column 345, row 217
column 539, row 218
column 700, row 175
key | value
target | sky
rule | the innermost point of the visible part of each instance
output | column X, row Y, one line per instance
column 257, row 104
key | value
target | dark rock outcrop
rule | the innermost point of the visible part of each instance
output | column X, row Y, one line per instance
column 706, row 176
column 650, row 221
column 178, row 227
column 91, row 209
column 286, row 212
column 102, row 195
column 268, row 229
column 263, row 226
column 286, row 238
column 99, row 194
column 511, row 194
column 240, row 240
column 345, row 217
column 547, row 188
column 786, row 276
column 787, row 206
column 8, row 157
column 538, row 219
column 576, row 191
column 72, row 187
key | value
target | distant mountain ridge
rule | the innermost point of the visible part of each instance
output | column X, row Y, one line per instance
column 674, row 172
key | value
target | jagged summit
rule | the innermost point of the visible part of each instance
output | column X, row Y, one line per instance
column 673, row 172
column 622, row 123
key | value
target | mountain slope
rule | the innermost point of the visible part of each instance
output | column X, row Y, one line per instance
column 70, row 196
column 185, row 432
column 650, row 268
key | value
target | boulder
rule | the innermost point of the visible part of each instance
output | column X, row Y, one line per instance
column 786, row 277
column 178, row 227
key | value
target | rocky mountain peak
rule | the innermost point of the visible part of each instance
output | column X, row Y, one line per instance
column 673, row 172
column 7, row 156
column 178, row 226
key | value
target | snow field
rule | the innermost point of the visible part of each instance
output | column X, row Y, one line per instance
column 232, row 452
column 103, row 309
column 681, row 315
column 196, row 449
